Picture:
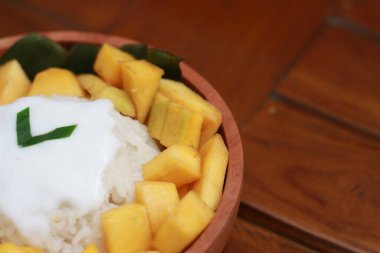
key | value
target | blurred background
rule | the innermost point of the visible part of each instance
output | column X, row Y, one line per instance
column 303, row 81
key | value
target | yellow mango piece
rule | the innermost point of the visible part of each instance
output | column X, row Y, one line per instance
column 181, row 126
column 119, row 98
column 214, row 157
column 127, row 229
column 91, row 83
column 26, row 249
column 91, row 249
column 184, row 96
column 100, row 89
column 14, row 83
column 150, row 251
column 183, row 190
column 56, row 81
column 140, row 80
column 178, row 164
column 107, row 64
column 10, row 248
column 159, row 198
column 186, row 222
column 157, row 115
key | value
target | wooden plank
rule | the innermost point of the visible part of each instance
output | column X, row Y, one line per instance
column 84, row 15
column 239, row 46
column 339, row 76
column 247, row 237
column 363, row 12
column 314, row 175
column 14, row 20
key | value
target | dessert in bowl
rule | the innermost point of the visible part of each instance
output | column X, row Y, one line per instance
column 218, row 213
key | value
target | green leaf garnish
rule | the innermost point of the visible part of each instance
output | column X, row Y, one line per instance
column 24, row 135
column 168, row 62
column 139, row 51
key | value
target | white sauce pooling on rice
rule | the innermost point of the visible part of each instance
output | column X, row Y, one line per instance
column 36, row 180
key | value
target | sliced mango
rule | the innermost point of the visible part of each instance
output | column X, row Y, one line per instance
column 100, row 89
column 91, row 249
column 140, row 80
column 56, row 81
column 120, row 99
column 91, row 83
column 178, row 164
column 214, row 157
column 14, row 83
column 10, row 248
column 186, row 222
column 126, row 229
column 181, row 126
column 157, row 115
column 108, row 64
column 184, row 96
column 159, row 198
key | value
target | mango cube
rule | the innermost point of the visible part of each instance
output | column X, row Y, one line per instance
column 108, row 64
column 56, row 81
column 159, row 198
column 214, row 157
column 181, row 126
column 91, row 249
column 119, row 98
column 100, row 89
column 91, row 83
column 184, row 96
column 186, row 222
column 10, row 248
column 140, row 80
column 14, row 83
column 126, row 229
column 178, row 164
column 157, row 115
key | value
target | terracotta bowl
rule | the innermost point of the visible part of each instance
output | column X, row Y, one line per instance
column 215, row 236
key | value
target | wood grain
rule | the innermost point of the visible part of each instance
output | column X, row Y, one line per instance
column 239, row 46
column 82, row 15
column 339, row 76
column 14, row 20
column 364, row 12
column 315, row 175
column 247, row 238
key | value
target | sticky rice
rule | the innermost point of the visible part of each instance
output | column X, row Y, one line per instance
column 72, row 230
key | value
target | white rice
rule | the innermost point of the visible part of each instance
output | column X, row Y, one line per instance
column 72, row 230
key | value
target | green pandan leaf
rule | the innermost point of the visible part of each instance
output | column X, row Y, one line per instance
column 35, row 53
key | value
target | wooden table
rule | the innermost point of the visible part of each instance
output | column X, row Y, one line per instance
column 302, row 79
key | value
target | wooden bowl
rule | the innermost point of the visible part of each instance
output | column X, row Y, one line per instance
column 215, row 236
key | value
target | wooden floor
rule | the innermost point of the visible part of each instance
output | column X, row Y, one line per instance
column 303, row 81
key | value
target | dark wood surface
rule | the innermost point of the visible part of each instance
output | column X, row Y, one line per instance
column 302, row 79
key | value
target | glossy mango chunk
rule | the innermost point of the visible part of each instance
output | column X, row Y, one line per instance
column 91, row 83
column 178, row 164
column 214, row 157
column 157, row 115
column 91, row 249
column 126, row 229
column 108, row 64
column 159, row 198
column 140, row 80
column 186, row 222
column 10, row 248
column 181, row 126
column 14, row 83
column 97, row 88
column 56, row 81
column 184, row 96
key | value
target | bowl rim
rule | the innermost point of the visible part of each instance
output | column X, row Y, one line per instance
column 215, row 236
